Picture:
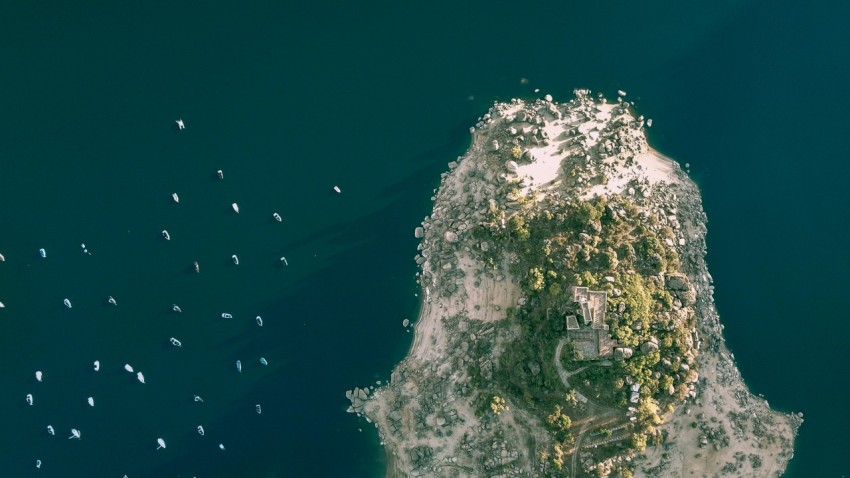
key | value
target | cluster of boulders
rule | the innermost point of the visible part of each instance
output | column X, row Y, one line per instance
column 358, row 398
column 680, row 288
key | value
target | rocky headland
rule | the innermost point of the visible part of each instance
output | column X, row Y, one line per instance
column 568, row 325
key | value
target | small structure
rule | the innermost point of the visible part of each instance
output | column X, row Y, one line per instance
column 591, row 337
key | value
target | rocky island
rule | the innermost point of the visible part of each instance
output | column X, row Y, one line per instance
column 568, row 326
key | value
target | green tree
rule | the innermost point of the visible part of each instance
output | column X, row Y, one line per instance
column 647, row 411
column 535, row 278
column 518, row 228
column 498, row 405
column 639, row 442
column 559, row 420
column 516, row 152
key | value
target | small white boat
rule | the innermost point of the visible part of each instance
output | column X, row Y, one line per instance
column 238, row 367
column 140, row 377
column 74, row 434
column 180, row 124
column 235, row 207
column 259, row 321
column 42, row 252
column 166, row 235
column 337, row 189
column 176, row 308
column 50, row 430
column 160, row 443
column 175, row 197
column 29, row 399
column 200, row 430
column 221, row 446
column 38, row 463
column 198, row 398
column 67, row 303
column 235, row 259
column 277, row 217
column 176, row 342
column 128, row 368
column 284, row 261
column 220, row 174
column 96, row 365
column 38, row 375
column 2, row 305
column 2, row 258
column 259, row 409
column 264, row 361
column 197, row 267
column 112, row 300
column 91, row 401
column 226, row 316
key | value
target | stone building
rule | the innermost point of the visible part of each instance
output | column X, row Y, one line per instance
column 590, row 335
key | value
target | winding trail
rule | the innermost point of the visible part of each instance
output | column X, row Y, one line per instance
column 597, row 413
column 564, row 374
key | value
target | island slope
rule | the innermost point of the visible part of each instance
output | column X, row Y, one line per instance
column 568, row 326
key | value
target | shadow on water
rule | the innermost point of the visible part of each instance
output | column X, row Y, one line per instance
column 336, row 318
column 403, row 192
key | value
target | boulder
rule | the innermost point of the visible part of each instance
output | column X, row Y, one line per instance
column 419, row 232
column 648, row 347
column 676, row 281
column 450, row 237
column 511, row 166
column 623, row 353
column 688, row 297
column 494, row 146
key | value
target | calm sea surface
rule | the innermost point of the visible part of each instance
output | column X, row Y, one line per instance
column 289, row 100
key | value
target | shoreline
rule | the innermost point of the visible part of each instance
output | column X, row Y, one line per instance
column 392, row 469
column 428, row 415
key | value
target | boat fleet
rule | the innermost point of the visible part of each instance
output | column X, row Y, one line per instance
column 76, row 434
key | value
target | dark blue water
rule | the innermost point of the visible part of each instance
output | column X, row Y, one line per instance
column 289, row 100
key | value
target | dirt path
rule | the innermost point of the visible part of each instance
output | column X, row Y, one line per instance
column 564, row 373
column 598, row 415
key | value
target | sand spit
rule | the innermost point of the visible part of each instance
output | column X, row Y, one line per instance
column 426, row 415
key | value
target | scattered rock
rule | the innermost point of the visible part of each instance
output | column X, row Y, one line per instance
column 623, row 353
